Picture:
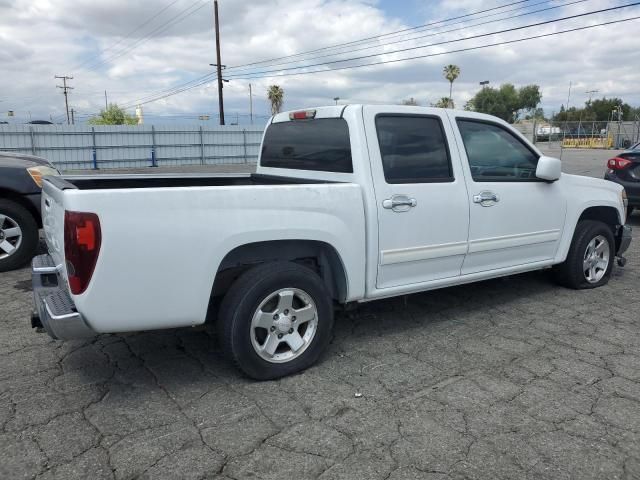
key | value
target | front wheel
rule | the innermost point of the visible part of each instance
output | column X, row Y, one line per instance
column 590, row 258
column 275, row 320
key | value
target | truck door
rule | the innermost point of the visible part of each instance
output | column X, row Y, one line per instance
column 421, row 196
column 515, row 218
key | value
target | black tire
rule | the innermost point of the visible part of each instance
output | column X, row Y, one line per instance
column 30, row 237
column 242, row 301
column 570, row 273
column 630, row 212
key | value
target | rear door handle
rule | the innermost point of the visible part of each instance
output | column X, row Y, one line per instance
column 486, row 199
column 399, row 203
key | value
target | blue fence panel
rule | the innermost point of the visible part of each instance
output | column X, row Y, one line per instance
column 134, row 146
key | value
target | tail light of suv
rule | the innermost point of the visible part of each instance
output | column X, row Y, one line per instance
column 617, row 163
column 82, row 239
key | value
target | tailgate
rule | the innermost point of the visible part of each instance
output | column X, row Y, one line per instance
column 53, row 216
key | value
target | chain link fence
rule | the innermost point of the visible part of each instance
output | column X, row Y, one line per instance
column 588, row 134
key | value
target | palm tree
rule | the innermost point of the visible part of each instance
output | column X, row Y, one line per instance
column 451, row 72
column 275, row 94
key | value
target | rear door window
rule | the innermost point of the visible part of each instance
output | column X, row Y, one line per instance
column 319, row 145
column 413, row 149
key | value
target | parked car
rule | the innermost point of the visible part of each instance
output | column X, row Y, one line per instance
column 406, row 199
column 20, row 187
column 624, row 169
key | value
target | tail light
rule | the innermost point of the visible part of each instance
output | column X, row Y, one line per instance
column 617, row 163
column 82, row 239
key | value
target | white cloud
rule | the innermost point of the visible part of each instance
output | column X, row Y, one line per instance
column 43, row 38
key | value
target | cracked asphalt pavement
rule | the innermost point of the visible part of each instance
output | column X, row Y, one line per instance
column 509, row 378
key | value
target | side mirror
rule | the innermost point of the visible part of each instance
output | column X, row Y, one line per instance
column 549, row 169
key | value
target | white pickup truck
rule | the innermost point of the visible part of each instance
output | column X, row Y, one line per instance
column 349, row 204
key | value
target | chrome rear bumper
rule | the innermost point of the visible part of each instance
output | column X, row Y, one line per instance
column 54, row 309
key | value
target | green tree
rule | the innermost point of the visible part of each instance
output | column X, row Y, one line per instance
column 599, row 110
column 411, row 102
column 451, row 72
column 603, row 108
column 444, row 102
column 113, row 115
column 506, row 102
column 275, row 94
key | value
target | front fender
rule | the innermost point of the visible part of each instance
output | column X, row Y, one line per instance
column 575, row 212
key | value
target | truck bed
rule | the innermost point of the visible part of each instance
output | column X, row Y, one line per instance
column 109, row 182
column 163, row 238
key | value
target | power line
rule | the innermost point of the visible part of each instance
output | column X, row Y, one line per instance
column 185, row 13
column 505, row 42
column 169, row 94
column 431, row 34
column 380, row 36
column 207, row 77
column 128, row 35
column 513, row 29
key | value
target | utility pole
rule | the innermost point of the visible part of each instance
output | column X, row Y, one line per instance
column 590, row 93
column 73, row 119
column 250, row 105
column 219, row 64
column 65, row 88
column 106, row 105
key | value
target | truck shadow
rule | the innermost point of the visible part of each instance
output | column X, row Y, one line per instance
column 187, row 363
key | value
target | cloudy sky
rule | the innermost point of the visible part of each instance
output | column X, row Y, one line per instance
column 139, row 50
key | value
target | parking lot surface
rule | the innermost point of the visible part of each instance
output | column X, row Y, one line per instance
column 509, row 378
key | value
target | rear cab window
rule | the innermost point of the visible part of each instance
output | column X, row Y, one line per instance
column 316, row 145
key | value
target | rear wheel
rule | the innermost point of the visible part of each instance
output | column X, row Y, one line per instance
column 18, row 235
column 275, row 320
column 590, row 258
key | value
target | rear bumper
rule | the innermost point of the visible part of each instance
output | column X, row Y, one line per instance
column 54, row 309
column 623, row 239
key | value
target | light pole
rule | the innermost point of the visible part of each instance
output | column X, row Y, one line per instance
column 336, row 99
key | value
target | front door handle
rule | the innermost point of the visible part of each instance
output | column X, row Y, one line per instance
column 399, row 203
column 486, row 199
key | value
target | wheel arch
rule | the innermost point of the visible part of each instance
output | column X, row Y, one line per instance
column 320, row 256
column 603, row 213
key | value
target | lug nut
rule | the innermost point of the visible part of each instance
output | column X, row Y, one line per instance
column 275, row 317
column 286, row 312
column 273, row 329
column 279, row 335
column 293, row 318
column 291, row 330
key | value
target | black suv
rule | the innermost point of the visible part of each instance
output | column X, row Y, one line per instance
column 20, row 187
